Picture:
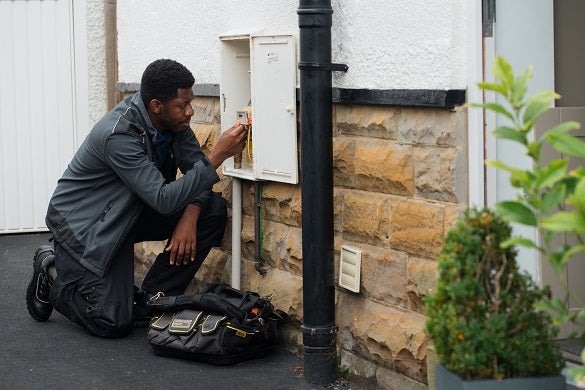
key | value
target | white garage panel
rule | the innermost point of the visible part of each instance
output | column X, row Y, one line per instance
column 38, row 111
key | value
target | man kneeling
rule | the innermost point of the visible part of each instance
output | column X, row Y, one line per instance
column 121, row 188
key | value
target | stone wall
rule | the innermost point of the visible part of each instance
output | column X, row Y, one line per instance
column 400, row 178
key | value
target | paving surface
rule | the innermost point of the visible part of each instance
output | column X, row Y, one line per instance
column 57, row 354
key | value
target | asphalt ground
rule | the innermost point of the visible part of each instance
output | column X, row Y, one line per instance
column 58, row 354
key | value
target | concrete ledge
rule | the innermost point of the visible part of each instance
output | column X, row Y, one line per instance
column 198, row 89
column 393, row 97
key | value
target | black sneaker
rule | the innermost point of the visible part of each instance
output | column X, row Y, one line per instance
column 142, row 315
column 37, row 293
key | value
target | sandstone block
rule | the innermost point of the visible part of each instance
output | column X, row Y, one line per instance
column 337, row 210
column 343, row 162
column 286, row 289
column 383, row 275
column 224, row 187
column 367, row 121
column 282, row 203
column 357, row 365
column 206, row 110
column 212, row 271
column 421, row 280
column 416, row 227
column 207, row 135
column 247, row 197
column 451, row 214
column 440, row 174
column 144, row 255
column 282, row 247
column 383, row 166
column 432, row 127
column 366, row 217
column 391, row 380
column 390, row 337
column 281, row 244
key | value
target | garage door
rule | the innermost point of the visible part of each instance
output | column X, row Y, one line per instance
column 42, row 102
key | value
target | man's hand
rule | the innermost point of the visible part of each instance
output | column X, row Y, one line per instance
column 231, row 142
column 183, row 244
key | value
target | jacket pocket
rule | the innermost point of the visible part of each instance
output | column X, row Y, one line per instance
column 101, row 216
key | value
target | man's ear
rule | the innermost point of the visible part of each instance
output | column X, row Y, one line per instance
column 155, row 106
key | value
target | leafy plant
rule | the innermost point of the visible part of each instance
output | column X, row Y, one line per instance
column 482, row 318
column 551, row 197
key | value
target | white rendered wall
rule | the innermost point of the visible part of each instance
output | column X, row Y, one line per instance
column 399, row 44
column 96, row 60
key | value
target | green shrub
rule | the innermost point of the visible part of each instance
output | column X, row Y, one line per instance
column 551, row 196
column 482, row 318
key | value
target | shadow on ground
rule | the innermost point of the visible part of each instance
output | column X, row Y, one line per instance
column 59, row 354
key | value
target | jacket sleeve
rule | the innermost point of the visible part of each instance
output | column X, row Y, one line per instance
column 125, row 154
column 188, row 151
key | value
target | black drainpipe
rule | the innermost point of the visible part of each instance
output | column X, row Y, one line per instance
column 319, row 328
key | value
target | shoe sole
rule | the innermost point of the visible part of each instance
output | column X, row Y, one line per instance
column 32, row 291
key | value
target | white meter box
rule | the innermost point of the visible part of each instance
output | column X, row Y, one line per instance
column 258, row 82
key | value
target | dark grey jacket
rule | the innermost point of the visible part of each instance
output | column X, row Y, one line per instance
column 113, row 175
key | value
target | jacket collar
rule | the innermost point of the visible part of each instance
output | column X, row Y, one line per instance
column 139, row 104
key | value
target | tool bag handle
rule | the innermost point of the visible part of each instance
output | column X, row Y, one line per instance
column 208, row 301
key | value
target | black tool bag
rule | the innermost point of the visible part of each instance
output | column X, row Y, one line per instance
column 221, row 325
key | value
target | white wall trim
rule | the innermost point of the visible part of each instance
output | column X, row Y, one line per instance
column 475, row 138
column 80, row 76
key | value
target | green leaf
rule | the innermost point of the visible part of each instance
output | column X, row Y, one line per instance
column 499, row 88
column 567, row 144
column 505, row 132
column 552, row 198
column 499, row 165
column 521, row 179
column 537, row 104
column 561, row 128
column 578, row 372
column 558, row 306
column 570, row 253
column 565, row 222
column 498, row 108
column 555, row 259
column 553, row 305
column 534, row 150
column 519, row 241
column 580, row 188
column 516, row 212
column 577, row 198
column 552, row 173
column 503, row 71
column 578, row 172
column 520, row 86
column 543, row 306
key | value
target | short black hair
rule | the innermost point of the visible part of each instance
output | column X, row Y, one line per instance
column 162, row 78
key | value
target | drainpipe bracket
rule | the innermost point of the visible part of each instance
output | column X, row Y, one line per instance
column 323, row 67
column 319, row 330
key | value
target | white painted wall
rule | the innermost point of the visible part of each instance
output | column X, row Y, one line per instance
column 44, row 110
column 399, row 44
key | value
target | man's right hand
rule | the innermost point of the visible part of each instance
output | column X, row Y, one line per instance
column 231, row 142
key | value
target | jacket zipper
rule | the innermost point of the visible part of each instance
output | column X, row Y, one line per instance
column 103, row 214
column 100, row 217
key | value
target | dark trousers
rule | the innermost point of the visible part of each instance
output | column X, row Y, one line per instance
column 104, row 306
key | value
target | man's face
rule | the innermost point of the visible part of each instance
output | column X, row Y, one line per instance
column 176, row 114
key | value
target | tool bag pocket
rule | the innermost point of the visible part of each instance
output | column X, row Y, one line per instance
column 238, row 328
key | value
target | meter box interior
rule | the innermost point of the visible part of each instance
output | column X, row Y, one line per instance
column 258, row 88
